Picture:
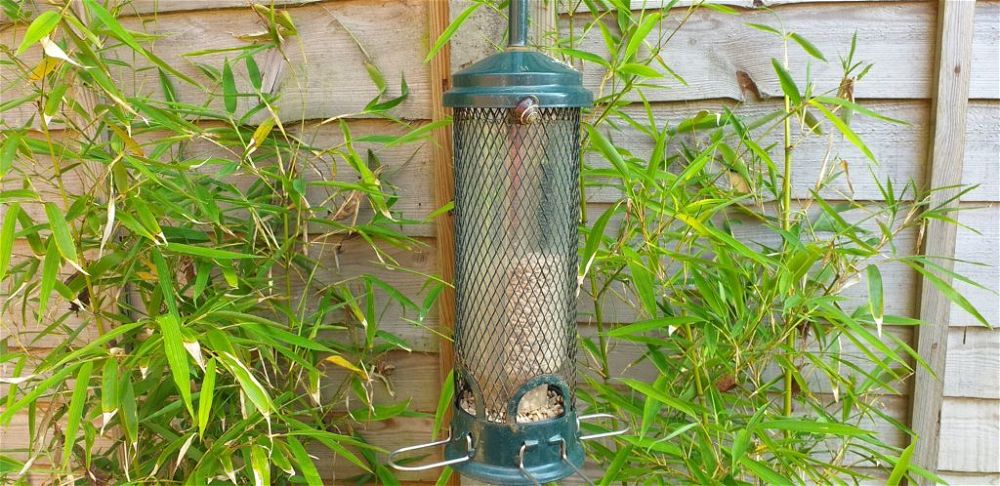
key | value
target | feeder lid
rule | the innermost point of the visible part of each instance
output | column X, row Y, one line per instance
column 505, row 78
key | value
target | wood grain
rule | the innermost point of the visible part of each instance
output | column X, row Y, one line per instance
column 970, row 435
column 956, row 22
column 896, row 37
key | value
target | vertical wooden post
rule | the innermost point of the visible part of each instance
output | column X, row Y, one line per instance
column 944, row 162
column 438, row 19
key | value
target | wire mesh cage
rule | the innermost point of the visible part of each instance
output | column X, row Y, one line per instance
column 516, row 213
column 517, row 209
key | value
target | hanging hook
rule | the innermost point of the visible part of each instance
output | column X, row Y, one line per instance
column 565, row 457
column 613, row 433
column 470, row 451
column 520, row 463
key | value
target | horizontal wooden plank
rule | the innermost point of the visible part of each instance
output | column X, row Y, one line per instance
column 712, row 48
column 982, row 151
column 324, row 75
column 978, row 258
column 969, row 479
column 970, row 435
column 972, row 365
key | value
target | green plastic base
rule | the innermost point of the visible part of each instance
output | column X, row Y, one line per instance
column 497, row 449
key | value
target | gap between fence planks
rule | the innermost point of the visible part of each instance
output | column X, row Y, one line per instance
column 945, row 159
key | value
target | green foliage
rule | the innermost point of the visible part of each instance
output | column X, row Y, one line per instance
column 768, row 371
column 170, row 267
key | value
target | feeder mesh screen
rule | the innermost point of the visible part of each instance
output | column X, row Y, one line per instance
column 517, row 206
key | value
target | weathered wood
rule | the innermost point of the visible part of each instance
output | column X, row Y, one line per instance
column 972, row 366
column 712, row 48
column 977, row 255
column 954, row 56
column 970, row 479
column 323, row 77
column 970, row 435
column 741, row 4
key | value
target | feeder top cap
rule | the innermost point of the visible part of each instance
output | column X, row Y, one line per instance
column 506, row 78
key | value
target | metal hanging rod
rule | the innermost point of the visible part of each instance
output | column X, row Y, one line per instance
column 517, row 23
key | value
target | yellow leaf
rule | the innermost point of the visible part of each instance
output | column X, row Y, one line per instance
column 343, row 363
column 43, row 68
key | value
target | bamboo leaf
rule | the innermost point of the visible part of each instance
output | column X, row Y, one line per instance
column 844, row 129
column 50, row 274
column 205, row 252
column 640, row 34
column 61, row 234
column 875, row 300
column 228, row 88
column 667, row 400
column 75, row 413
column 807, row 46
column 261, row 465
column 109, row 387
column 787, row 83
column 42, row 26
column 305, row 463
column 7, row 237
column 248, row 383
column 902, row 465
column 205, row 397
column 450, row 30
column 177, row 357
column 814, row 427
column 652, row 325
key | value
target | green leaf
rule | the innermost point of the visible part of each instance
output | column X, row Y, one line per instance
column 902, row 465
column 945, row 288
column 814, row 427
column 75, row 413
column 844, row 129
column 228, row 88
column 37, row 391
column 8, row 150
column 206, row 252
column 445, row 400
column 248, row 383
column 594, row 237
column 253, row 72
column 647, row 390
column 42, row 26
column 50, row 274
column 61, row 234
column 642, row 280
column 607, row 150
column 586, row 56
column 123, row 35
column 261, row 465
column 177, row 357
column 642, row 70
column 640, row 34
column 764, row 28
column 306, row 465
column 205, row 397
column 109, row 386
column 770, row 476
column 787, row 83
column 450, row 30
column 7, row 237
column 807, row 46
column 875, row 301
column 652, row 325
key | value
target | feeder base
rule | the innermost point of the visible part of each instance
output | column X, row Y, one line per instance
column 497, row 449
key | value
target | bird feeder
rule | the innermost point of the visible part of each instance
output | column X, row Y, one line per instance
column 517, row 207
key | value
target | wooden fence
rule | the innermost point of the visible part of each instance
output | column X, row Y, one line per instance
column 937, row 66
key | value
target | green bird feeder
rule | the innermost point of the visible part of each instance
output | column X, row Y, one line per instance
column 517, row 207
